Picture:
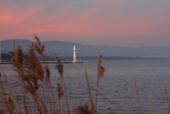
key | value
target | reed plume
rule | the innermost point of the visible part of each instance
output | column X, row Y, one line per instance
column 39, row 47
column 100, row 67
column 31, row 73
column 33, row 66
column 17, row 58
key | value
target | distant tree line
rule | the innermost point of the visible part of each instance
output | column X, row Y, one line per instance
column 6, row 56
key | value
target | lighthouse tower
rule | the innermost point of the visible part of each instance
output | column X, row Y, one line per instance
column 74, row 54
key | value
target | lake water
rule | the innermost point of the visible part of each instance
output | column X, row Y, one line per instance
column 117, row 93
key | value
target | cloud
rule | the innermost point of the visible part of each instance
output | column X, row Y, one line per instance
column 107, row 18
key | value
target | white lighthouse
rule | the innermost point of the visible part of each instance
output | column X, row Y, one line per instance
column 74, row 54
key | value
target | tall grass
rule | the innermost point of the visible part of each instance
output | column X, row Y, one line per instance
column 40, row 95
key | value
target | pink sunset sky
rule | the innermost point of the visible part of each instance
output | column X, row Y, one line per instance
column 96, row 22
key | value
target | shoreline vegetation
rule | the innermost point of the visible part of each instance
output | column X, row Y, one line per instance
column 40, row 96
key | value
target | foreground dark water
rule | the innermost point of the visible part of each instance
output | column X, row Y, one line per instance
column 117, row 93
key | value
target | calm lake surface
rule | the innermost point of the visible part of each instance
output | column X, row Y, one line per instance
column 117, row 93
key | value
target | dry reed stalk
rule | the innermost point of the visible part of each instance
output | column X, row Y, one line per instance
column 51, row 100
column 60, row 94
column 30, row 73
column 92, row 105
column 60, row 91
column 167, row 98
column 54, row 104
column 41, row 106
column 38, row 105
column 60, row 108
column 39, row 47
column 25, row 103
column 97, row 91
column 138, row 98
column 11, row 103
column 60, row 69
column 11, row 106
column 3, row 97
column 33, row 66
column 54, row 100
column 8, row 105
column 47, row 75
column 100, row 75
column 82, row 110
column 44, row 107
column 66, row 96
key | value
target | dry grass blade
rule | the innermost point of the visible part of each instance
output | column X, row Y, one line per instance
column 82, row 110
column 26, row 110
column 92, row 105
column 48, row 74
column 60, row 91
column 32, row 89
column 167, row 98
column 11, row 106
column 3, row 99
column 38, row 104
column 139, row 104
column 44, row 107
column 10, row 98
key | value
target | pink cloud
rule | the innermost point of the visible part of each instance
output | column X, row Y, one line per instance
column 16, row 22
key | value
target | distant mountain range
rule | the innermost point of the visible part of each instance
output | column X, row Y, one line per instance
column 60, row 48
